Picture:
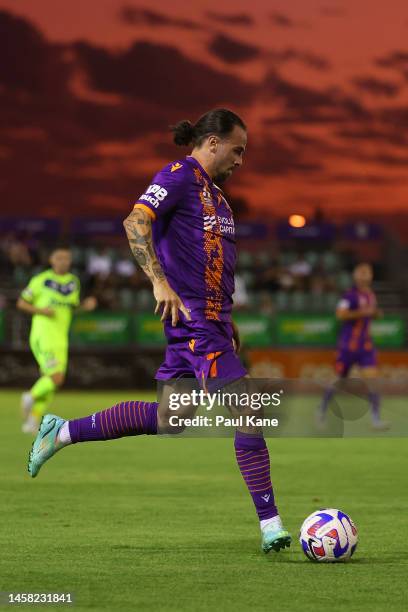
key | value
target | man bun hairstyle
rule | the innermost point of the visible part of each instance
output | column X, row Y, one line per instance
column 219, row 121
column 183, row 132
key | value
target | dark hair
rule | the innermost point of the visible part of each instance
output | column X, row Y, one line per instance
column 59, row 246
column 219, row 121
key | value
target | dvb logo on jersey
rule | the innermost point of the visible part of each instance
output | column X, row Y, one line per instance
column 158, row 195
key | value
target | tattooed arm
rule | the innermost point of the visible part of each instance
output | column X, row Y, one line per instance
column 138, row 226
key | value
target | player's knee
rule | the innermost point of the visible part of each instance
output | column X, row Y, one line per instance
column 58, row 378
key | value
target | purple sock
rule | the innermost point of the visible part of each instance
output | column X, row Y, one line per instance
column 253, row 461
column 374, row 399
column 124, row 419
column 327, row 396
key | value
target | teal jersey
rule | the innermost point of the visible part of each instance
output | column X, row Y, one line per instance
column 60, row 292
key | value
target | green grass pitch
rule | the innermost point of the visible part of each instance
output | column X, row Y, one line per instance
column 152, row 523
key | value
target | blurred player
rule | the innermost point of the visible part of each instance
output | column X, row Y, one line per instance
column 181, row 233
column 50, row 298
column 355, row 310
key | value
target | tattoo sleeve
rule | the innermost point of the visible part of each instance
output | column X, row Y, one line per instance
column 138, row 227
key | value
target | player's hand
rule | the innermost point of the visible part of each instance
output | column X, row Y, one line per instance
column 89, row 303
column 368, row 311
column 47, row 312
column 169, row 302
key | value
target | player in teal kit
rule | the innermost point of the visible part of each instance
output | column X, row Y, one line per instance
column 50, row 297
column 181, row 232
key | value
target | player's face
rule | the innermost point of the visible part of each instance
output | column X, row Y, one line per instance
column 363, row 275
column 61, row 261
column 228, row 153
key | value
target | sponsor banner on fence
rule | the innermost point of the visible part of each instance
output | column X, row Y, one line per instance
column 322, row 330
column 110, row 226
column 32, row 225
column 389, row 331
column 148, row 330
column 318, row 365
column 101, row 328
column 254, row 330
column 306, row 330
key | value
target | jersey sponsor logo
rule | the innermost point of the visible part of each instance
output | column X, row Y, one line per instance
column 225, row 224
column 154, row 195
column 175, row 167
column 66, row 289
column 210, row 221
column 54, row 302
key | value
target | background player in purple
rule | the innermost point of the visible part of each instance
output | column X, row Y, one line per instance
column 181, row 232
column 356, row 309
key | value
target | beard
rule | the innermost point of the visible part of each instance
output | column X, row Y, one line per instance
column 221, row 177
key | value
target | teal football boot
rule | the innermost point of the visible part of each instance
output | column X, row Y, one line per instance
column 46, row 443
column 275, row 538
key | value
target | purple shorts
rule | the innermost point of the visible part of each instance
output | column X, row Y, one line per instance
column 345, row 359
column 202, row 350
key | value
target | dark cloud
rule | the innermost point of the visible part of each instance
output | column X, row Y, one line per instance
column 395, row 118
column 302, row 104
column 28, row 63
column 162, row 75
column 274, row 156
column 281, row 20
column 397, row 60
column 298, row 99
column 238, row 19
column 304, row 139
column 361, row 179
column 305, row 57
column 376, row 87
column 382, row 136
column 232, row 51
column 390, row 160
column 144, row 16
column 74, row 117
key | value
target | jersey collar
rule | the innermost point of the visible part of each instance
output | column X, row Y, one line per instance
column 197, row 164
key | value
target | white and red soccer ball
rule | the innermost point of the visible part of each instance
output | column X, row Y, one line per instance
column 328, row 535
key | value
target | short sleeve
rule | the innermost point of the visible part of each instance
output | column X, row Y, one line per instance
column 32, row 291
column 165, row 191
column 347, row 301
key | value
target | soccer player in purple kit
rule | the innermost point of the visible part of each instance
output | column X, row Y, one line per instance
column 181, row 232
column 356, row 309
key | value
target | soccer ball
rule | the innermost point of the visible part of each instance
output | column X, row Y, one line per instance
column 328, row 535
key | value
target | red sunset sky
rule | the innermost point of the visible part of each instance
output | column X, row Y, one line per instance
column 88, row 88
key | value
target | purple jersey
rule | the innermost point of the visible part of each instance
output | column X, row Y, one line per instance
column 355, row 333
column 194, row 237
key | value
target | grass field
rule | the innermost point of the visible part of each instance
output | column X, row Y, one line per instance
column 166, row 524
